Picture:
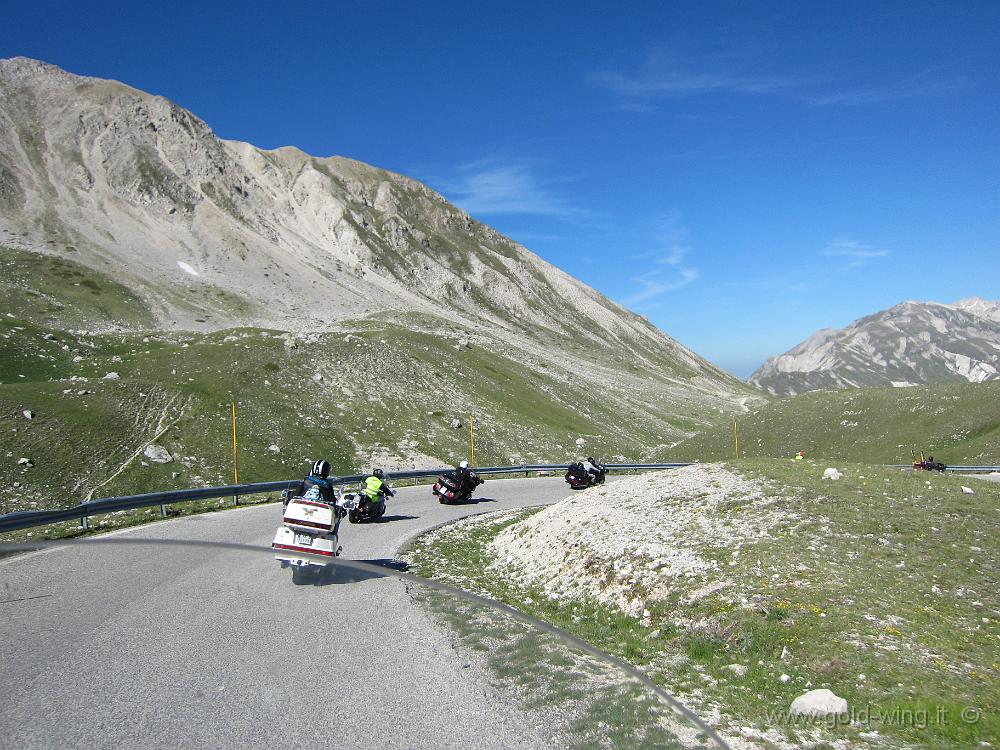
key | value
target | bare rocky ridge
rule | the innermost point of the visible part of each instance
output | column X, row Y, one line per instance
column 218, row 233
column 213, row 234
column 909, row 344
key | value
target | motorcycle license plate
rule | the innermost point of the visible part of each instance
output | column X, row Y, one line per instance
column 304, row 539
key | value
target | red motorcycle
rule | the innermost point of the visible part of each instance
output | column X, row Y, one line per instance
column 449, row 492
column 579, row 478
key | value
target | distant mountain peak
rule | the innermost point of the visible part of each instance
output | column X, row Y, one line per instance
column 911, row 342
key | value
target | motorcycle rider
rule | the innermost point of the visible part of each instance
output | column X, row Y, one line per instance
column 466, row 479
column 374, row 493
column 596, row 470
column 319, row 477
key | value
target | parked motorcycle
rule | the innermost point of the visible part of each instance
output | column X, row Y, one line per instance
column 448, row 491
column 310, row 533
column 579, row 478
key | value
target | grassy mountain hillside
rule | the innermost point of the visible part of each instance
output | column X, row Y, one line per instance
column 379, row 391
column 957, row 423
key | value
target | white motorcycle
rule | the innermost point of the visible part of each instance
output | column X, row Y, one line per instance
column 309, row 534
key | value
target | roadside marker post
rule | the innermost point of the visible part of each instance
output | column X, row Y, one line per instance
column 472, row 439
column 736, row 433
column 236, row 463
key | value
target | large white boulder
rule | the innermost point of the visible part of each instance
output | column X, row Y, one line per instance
column 157, row 454
column 820, row 702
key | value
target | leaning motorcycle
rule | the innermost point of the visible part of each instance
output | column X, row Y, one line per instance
column 365, row 512
column 448, row 491
column 579, row 478
column 309, row 537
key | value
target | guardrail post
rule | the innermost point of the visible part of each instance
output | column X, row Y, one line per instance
column 84, row 523
column 163, row 511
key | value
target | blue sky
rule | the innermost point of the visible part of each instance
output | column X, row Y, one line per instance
column 742, row 173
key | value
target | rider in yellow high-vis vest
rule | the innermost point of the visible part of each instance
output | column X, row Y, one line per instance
column 374, row 493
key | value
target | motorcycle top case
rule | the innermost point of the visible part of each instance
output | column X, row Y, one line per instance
column 289, row 545
column 309, row 516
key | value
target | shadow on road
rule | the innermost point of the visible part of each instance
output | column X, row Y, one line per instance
column 473, row 501
column 339, row 574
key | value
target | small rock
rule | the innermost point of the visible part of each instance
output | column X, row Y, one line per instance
column 157, row 454
column 112, row 376
column 967, row 490
column 738, row 670
column 317, row 378
column 821, row 702
column 456, row 423
column 78, row 358
column 832, row 473
column 463, row 343
column 174, row 474
column 785, row 654
column 28, row 414
column 48, row 337
column 785, row 678
column 273, row 448
column 580, row 442
column 25, row 462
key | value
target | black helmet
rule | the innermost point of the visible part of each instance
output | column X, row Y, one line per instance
column 591, row 459
column 378, row 473
column 321, row 468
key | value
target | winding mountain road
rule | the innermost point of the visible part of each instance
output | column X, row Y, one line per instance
column 132, row 645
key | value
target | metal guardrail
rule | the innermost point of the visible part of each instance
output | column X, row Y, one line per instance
column 966, row 469
column 29, row 518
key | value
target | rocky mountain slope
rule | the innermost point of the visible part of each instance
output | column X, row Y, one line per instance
column 349, row 310
column 216, row 233
column 909, row 344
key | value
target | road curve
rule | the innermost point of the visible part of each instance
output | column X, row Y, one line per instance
column 114, row 646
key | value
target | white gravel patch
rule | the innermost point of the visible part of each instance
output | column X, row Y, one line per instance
column 634, row 542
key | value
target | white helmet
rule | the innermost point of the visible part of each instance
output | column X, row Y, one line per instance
column 463, row 464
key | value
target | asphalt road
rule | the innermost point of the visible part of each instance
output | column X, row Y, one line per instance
column 119, row 646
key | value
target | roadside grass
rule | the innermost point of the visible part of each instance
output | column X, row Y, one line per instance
column 958, row 423
column 881, row 587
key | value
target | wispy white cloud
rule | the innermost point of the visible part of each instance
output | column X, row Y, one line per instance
column 677, row 83
column 858, row 254
column 925, row 83
column 653, row 284
column 667, row 264
column 490, row 186
column 663, row 75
